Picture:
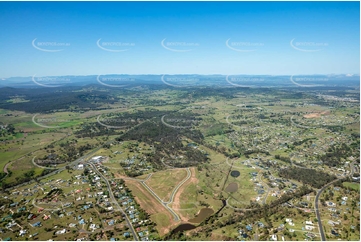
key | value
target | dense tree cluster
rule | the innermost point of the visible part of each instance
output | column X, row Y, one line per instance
column 335, row 153
column 70, row 151
column 92, row 130
column 283, row 158
column 45, row 100
column 167, row 141
column 310, row 177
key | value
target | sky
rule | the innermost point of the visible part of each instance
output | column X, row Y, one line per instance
column 260, row 38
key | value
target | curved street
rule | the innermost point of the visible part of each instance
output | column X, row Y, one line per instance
column 165, row 204
column 322, row 232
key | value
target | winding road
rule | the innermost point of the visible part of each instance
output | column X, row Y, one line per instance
column 322, row 232
column 175, row 190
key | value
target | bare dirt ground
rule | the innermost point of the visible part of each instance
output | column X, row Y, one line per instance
column 117, row 175
column 177, row 197
column 316, row 115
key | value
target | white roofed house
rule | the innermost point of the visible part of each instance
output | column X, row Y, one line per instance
column 308, row 227
column 96, row 159
column 309, row 223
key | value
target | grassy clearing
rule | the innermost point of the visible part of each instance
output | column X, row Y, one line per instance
column 163, row 182
column 188, row 201
column 162, row 221
column 246, row 187
column 352, row 185
column 15, row 149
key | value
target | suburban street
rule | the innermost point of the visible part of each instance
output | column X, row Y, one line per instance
column 116, row 202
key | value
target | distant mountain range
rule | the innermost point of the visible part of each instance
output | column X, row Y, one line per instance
column 116, row 80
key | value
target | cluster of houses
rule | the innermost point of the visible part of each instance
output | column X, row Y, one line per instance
column 123, row 199
column 38, row 219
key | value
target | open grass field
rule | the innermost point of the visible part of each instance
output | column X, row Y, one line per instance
column 186, row 203
column 12, row 151
column 352, row 185
column 163, row 182
column 246, row 189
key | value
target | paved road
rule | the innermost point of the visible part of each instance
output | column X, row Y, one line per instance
column 165, row 204
column 175, row 190
column 73, row 163
column 260, row 175
column 322, row 233
column 189, row 173
column 111, row 195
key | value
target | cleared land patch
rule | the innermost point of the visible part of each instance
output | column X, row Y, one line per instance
column 232, row 187
column 184, row 202
column 316, row 115
column 352, row 185
column 163, row 182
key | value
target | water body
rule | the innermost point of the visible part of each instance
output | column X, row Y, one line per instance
column 232, row 187
column 203, row 214
column 183, row 227
column 235, row 173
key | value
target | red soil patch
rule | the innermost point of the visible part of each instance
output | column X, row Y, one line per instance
column 177, row 197
column 317, row 114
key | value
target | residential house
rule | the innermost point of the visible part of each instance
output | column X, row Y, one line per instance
column 273, row 237
column 308, row 227
column 309, row 222
column 330, row 204
column 37, row 224
column 63, row 231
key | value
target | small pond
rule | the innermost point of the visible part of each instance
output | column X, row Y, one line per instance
column 232, row 187
column 203, row 214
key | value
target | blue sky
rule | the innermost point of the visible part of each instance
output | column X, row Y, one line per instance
column 326, row 38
